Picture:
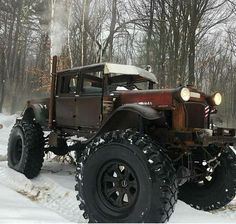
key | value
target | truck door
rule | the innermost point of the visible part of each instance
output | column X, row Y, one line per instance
column 65, row 100
column 89, row 101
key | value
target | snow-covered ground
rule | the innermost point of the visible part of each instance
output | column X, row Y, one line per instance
column 50, row 198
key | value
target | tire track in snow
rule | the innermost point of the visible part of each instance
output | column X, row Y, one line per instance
column 45, row 192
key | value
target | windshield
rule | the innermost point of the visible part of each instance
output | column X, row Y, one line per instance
column 121, row 83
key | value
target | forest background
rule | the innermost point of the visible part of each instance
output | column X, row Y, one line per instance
column 184, row 41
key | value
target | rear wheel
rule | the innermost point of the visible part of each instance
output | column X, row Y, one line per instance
column 26, row 149
column 215, row 192
column 125, row 177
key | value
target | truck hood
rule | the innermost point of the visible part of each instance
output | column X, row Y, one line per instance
column 163, row 98
column 155, row 98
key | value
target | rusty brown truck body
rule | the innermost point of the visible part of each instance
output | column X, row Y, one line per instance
column 136, row 146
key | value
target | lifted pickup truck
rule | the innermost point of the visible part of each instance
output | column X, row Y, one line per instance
column 143, row 148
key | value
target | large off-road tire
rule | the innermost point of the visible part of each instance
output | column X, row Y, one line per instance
column 124, row 177
column 26, row 149
column 216, row 193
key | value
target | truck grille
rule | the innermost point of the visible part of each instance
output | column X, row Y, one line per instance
column 196, row 115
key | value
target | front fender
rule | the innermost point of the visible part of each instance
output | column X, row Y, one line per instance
column 144, row 111
column 37, row 112
column 132, row 116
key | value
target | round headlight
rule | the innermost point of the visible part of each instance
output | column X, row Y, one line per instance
column 217, row 99
column 185, row 94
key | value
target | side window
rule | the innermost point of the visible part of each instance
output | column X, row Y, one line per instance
column 73, row 85
column 92, row 85
column 69, row 84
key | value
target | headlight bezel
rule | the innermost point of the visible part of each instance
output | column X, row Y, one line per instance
column 185, row 94
column 217, row 99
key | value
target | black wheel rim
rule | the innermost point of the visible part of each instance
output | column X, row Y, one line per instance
column 17, row 153
column 117, row 186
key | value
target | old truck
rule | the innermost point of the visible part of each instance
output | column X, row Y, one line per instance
column 138, row 149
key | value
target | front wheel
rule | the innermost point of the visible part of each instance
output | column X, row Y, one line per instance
column 216, row 192
column 124, row 177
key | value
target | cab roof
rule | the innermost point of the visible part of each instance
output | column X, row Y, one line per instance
column 114, row 70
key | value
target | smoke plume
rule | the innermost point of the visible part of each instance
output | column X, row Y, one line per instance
column 58, row 30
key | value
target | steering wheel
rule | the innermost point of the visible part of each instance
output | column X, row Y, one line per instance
column 131, row 86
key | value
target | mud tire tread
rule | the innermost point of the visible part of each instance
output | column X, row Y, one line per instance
column 161, row 169
column 33, row 151
column 215, row 199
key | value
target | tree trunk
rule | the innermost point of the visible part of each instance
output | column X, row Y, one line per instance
column 85, row 27
column 2, row 80
column 162, row 47
column 112, row 29
column 192, row 40
column 192, row 45
column 150, row 31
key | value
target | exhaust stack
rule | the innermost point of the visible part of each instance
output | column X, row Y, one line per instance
column 52, row 93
